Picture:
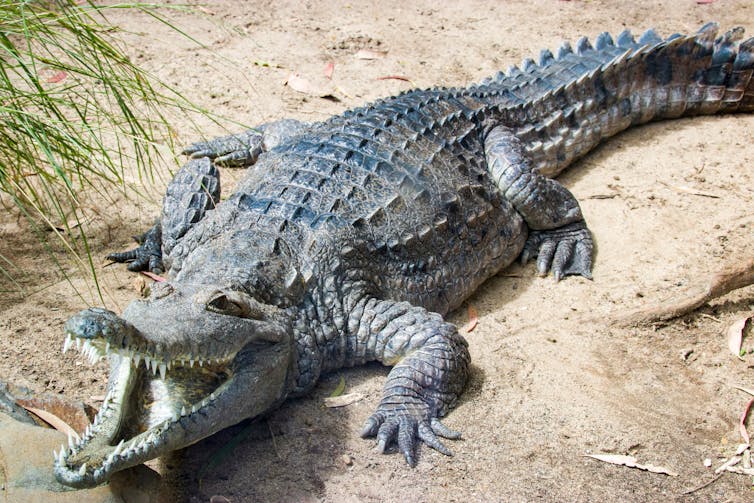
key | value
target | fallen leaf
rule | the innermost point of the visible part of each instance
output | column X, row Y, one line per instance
column 731, row 462
column 369, row 54
column 473, row 320
column 52, row 420
column 153, row 276
column 57, row 77
column 329, row 69
column 54, row 410
column 343, row 400
column 742, row 422
column 394, row 77
column 736, row 334
column 340, row 388
column 630, row 461
column 299, row 84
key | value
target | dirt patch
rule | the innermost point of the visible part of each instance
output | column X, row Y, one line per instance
column 551, row 380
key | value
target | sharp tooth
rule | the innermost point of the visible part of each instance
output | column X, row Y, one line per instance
column 118, row 448
column 183, row 411
column 148, row 362
column 136, row 358
column 201, row 363
column 212, row 396
column 62, row 452
column 191, row 363
column 78, row 344
column 71, row 443
column 193, row 409
column 67, row 344
column 82, row 470
column 107, row 348
column 163, row 369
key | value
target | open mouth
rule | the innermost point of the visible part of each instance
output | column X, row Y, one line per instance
column 151, row 405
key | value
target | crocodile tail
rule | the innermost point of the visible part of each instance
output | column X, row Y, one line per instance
column 567, row 103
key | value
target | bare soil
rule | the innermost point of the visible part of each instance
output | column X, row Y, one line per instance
column 552, row 378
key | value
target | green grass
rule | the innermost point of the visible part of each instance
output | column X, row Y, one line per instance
column 77, row 116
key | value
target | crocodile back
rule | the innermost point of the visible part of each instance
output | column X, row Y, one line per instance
column 394, row 196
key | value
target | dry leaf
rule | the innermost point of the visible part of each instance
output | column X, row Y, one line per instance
column 299, row 84
column 304, row 85
column 343, row 400
column 473, row 320
column 52, row 420
column 153, row 276
column 57, row 77
column 369, row 54
column 736, row 333
column 394, row 77
column 54, row 410
column 742, row 422
column 731, row 462
column 329, row 69
column 630, row 461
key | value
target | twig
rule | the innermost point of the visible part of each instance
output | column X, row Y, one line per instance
column 708, row 483
column 731, row 278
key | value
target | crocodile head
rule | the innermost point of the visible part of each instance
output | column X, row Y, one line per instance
column 186, row 362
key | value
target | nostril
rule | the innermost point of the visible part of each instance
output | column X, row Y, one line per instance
column 161, row 289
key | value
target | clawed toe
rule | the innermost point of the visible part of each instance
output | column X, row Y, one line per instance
column 565, row 251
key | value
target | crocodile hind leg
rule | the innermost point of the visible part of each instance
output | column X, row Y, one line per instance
column 194, row 190
column 243, row 149
column 558, row 235
column 430, row 370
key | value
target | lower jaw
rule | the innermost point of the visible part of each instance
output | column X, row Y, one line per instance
column 163, row 436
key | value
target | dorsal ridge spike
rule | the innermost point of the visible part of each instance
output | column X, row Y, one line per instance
column 626, row 39
column 528, row 64
column 545, row 57
column 564, row 50
column 745, row 57
column 603, row 41
column 650, row 37
column 583, row 45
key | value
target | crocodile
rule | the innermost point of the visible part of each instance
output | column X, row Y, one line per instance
column 349, row 240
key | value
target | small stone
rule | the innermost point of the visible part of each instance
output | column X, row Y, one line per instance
column 707, row 462
column 347, row 459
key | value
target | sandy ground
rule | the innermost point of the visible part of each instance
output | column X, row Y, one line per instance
column 552, row 380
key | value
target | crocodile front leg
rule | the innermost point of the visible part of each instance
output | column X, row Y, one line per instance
column 430, row 370
column 193, row 191
column 243, row 149
column 559, row 237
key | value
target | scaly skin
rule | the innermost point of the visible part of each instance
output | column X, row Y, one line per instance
column 350, row 239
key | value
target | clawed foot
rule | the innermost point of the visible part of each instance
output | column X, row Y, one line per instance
column 232, row 150
column 566, row 251
column 147, row 257
column 405, row 423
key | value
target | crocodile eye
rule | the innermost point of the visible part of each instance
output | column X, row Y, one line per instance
column 221, row 304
